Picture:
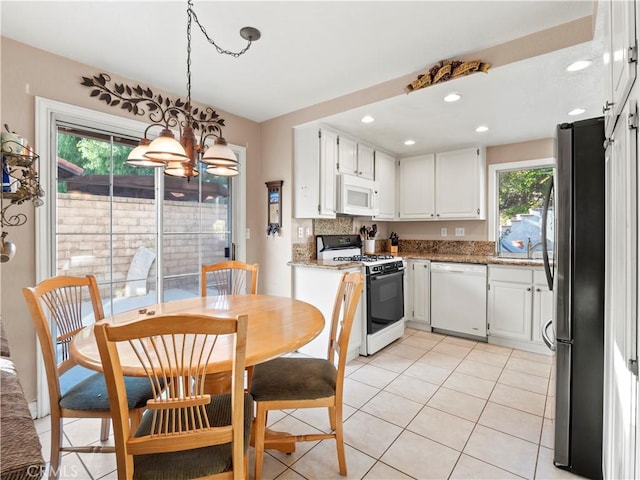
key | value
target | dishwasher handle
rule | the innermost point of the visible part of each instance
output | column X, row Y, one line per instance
column 457, row 268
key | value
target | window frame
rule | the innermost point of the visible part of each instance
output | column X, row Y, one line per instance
column 494, row 170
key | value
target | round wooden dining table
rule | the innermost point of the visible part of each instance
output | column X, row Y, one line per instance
column 276, row 325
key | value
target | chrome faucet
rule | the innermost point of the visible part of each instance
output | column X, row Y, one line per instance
column 531, row 247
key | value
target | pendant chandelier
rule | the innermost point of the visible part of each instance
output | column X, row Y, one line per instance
column 178, row 157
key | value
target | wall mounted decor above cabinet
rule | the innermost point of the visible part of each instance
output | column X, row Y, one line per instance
column 443, row 186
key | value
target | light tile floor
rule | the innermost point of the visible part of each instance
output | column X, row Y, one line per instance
column 428, row 406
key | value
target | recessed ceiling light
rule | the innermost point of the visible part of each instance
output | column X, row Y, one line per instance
column 367, row 119
column 452, row 97
column 577, row 111
column 482, row 128
column 579, row 65
column 409, row 142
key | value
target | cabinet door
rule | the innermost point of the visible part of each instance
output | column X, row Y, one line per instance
column 328, row 162
column 458, row 178
column 385, row 168
column 365, row 161
column 416, row 187
column 623, row 52
column 420, row 292
column 542, row 310
column 621, row 293
column 347, row 156
column 509, row 310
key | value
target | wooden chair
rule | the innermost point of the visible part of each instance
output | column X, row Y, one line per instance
column 294, row 382
column 185, row 433
column 230, row 278
column 66, row 300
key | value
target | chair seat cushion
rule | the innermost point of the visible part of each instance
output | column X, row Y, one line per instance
column 198, row 462
column 91, row 393
column 293, row 378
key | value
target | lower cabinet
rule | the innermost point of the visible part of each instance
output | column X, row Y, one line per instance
column 519, row 303
column 318, row 286
column 418, row 293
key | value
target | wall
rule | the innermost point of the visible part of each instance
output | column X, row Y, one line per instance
column 27, row 72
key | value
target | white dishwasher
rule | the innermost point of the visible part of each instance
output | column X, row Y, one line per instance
column 459, row 299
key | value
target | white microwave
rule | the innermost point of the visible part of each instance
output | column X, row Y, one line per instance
column 357, row 196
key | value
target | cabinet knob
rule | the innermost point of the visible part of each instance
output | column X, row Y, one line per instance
column 538, row 290
column 432, row 214
column 529, row 289
column 437, row 215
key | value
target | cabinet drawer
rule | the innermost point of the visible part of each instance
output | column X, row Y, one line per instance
column 539, row 277
column 510, row 274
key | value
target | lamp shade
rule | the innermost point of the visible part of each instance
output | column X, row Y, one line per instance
column 181, row 169
column 222, row 170
column 219, row 154
column 166, row 148
column 136, row 157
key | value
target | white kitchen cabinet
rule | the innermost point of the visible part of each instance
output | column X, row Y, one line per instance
column 519, row 302
column 416, row 184
column 366, row 161
column 622, row 53
column 418, row 295
column 621, row 394
column 443, row 186
column 355, row 158
column 347, row 155
column 543, row 305
column 318, row 286
column 315, row 159
column 459, row 184
column 509, row 303
column 385, row 175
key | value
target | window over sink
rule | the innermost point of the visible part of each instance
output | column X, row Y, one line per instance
column 517, row 192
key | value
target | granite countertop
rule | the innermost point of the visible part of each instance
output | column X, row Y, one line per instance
column 434, row 257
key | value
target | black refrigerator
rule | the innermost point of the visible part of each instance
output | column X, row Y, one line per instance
column 576, row 274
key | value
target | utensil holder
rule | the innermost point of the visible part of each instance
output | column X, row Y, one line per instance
column 369, row 246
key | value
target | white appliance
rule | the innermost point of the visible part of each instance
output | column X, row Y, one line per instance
column 382, row 303
column 357, row 196
column 459, row 299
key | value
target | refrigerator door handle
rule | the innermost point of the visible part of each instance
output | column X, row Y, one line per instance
column 545, row 249
column 545, row 337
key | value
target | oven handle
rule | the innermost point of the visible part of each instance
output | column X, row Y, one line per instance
column 385, row 275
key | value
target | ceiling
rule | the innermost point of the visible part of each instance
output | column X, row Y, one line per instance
column 314, row 51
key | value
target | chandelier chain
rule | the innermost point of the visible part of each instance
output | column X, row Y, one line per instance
column 189, row 13
column 211, row 41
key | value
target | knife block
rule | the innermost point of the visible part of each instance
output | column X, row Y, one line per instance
column 393, row 249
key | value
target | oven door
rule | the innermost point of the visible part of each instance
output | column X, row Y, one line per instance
column 385, row 300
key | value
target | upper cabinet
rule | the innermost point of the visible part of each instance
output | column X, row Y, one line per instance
column 315, row 153
column 443, row 186
column 355, row 158
column 459, row 187
column 415, row 187
column 622, row 53
column 385, row 175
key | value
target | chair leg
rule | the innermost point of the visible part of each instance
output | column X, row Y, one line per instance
column 56, row 445
column 104, row 430
column 260, row 426
column 332, row 417
column 339, row 431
